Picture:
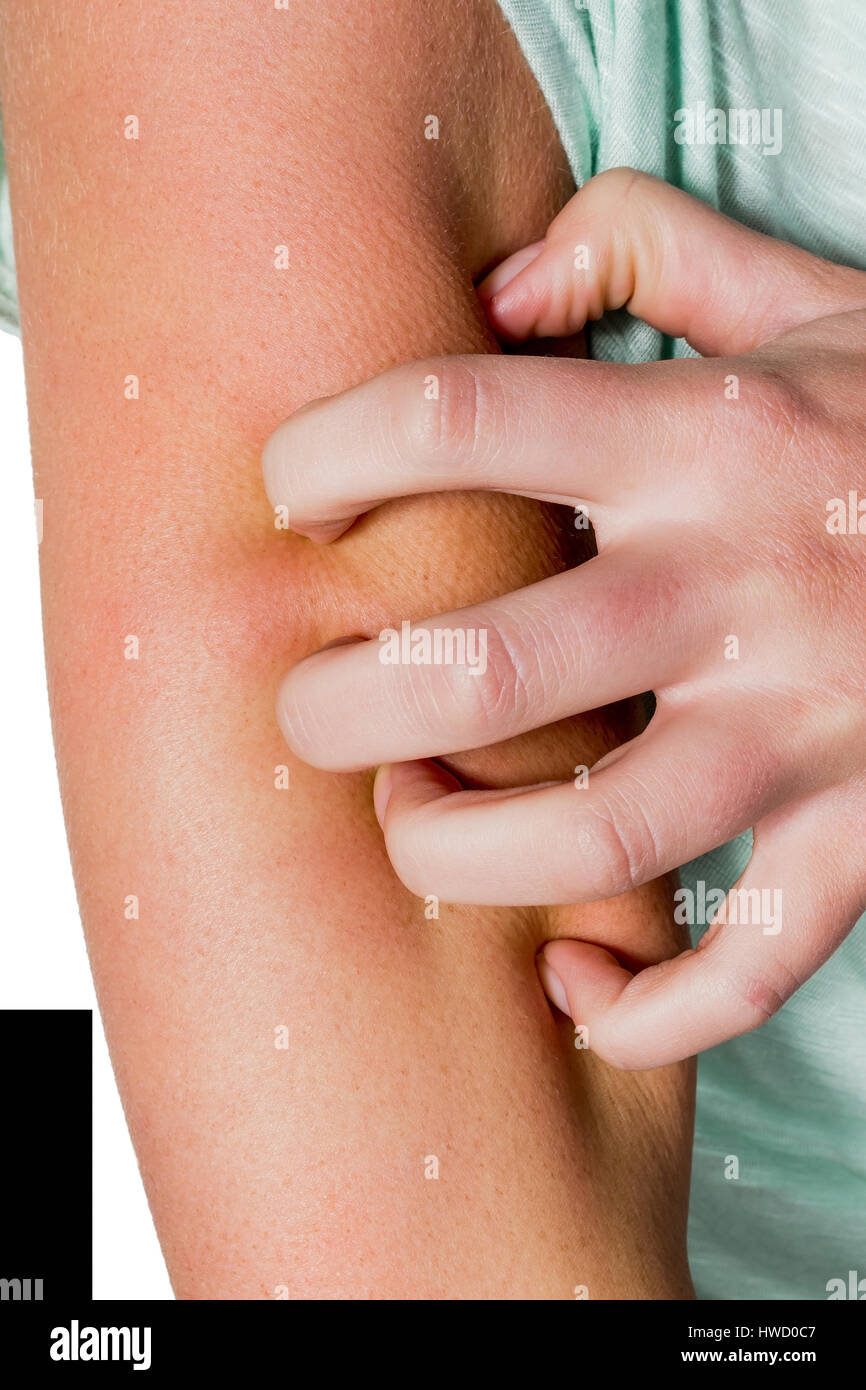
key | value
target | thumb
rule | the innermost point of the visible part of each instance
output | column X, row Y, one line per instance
column 628, row 239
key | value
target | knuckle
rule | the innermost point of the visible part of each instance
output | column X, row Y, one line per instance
column 617, row 848
column 495, row 696
column 759, row 994
column 777, row 410
column 449, row 411
column 758, row 999
column 620, row 182
column 603, row 193
column 629, row 196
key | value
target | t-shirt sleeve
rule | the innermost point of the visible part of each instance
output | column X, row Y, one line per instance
column 8, row 291
column 557, row 41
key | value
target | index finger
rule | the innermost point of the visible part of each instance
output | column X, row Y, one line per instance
column 581, row 433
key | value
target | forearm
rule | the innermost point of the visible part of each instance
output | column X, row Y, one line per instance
column 261, row 908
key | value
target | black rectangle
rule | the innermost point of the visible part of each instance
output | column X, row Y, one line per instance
column 46, row 1157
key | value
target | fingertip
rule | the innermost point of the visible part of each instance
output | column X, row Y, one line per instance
column 421, row 781
column 321, row 533
column 382, row 787
column 552, row 985
column 584, row 980
column 508, row 270
column 400, row 787
column 540, row 300
column 279, row 464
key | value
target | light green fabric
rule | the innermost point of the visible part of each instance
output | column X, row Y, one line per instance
column 788, row 1102
column 8, row 295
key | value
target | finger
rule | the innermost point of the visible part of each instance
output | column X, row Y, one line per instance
column 628, row 239
column 689, row 783
column 588, row 433
column 629, row 620
column 419, row 783
column 796, row 902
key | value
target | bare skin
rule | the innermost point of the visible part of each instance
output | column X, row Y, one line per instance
column 293, row 1038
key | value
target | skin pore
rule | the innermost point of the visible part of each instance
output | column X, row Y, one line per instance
column 294, row 1039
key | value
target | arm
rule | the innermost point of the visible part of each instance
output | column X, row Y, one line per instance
column 261, row 909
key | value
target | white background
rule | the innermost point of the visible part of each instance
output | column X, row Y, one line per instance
column 43, row 963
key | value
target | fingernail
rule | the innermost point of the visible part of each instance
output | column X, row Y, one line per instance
column 553, row 986
column 382, row 793
column 503, row 274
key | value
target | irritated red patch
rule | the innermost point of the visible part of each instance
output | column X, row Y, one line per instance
column 281, row 608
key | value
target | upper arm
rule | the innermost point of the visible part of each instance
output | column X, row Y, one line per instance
column 165, row 335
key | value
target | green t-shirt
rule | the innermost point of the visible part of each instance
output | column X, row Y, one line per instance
column 8, row 296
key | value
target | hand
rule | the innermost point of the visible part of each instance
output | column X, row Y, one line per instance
column 728, row 581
